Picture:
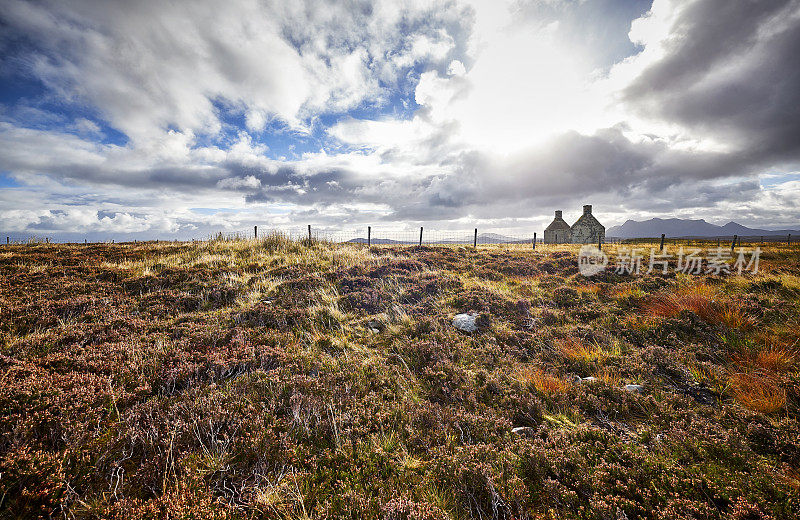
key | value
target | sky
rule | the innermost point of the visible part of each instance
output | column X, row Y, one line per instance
column 149, row 119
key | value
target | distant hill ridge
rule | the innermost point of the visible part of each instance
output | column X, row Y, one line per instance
column 681, row 228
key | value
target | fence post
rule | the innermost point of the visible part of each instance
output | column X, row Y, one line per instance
column 309, row 234
column 733, row 244
column 662, row 242
column 534, row 240
column 475, row 239
column 8, row 240
column 369, row 236
column 255, row 232
column 599, row 242
column 420, row 235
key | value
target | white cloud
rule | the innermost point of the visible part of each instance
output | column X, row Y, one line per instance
column 234, row 183
column 148, row 69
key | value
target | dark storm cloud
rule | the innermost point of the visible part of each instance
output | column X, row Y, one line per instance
column 732, row 71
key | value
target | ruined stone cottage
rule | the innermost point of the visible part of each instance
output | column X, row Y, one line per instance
column 558, row 232
column 586, row 230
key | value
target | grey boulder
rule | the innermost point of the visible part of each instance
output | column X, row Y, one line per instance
column 465, row 322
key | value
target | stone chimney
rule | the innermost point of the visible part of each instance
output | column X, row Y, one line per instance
column 558, row 213
column 587, row 209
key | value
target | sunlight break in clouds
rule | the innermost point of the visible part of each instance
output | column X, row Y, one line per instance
column 146, row 119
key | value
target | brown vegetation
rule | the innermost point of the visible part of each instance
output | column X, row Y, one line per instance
column 277, row 379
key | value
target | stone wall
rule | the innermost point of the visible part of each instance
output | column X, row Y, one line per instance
column 558, row 232
column 587, row 229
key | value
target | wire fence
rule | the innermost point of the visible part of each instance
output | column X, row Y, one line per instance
column 377, row 236
column 422, row 236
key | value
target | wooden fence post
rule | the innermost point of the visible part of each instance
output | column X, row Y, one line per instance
column 255, row 232
column 662, row 241
column 733, row 244
column 599, row 242
column 309, row 234
column 369, row 236
column 534, row 240
column 420, row 235
column 475, row 239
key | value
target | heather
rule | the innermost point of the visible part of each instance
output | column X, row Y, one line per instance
column 285, row 379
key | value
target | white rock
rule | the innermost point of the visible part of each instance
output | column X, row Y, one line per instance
column 465, row 322
column 637, row 389
column 590, row 379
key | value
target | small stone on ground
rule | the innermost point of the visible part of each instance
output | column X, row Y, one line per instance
column 465, row 322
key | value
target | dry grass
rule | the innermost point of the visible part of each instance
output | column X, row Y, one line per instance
column 575, row 349
column 757, row 392
column 590, row 289
column 791, row 476
column 702, row 300
column 609, row 376
column 628, row 291
column 699, row 299
column 540, row 380
column 774, row 357
column 733, row 318
column 273, row 250
column 713, row 379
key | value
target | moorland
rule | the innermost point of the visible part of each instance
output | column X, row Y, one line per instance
column 282, row 379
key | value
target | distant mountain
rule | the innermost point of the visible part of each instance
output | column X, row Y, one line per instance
column 682, row 228
column 483, row 238
column 377, row 241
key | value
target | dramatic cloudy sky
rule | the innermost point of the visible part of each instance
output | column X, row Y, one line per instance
column 123, row 118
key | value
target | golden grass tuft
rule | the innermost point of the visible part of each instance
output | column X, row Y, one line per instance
column 734, row 318
column 540, row 380
column 706, row 375
column 698, row 299
column 778, row 359
column 757, row 392
column 627, row 292
column 573, row 348
column 774, row 356
column 609, row 376
column 702, row 300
